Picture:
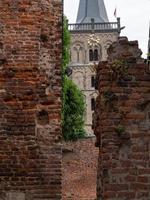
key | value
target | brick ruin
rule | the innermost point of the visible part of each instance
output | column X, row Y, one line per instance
column 30, row 99
column 122, row 124
column 79, row 169
column 30, row 114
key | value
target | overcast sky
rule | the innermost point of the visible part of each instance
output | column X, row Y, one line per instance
column 134, row 14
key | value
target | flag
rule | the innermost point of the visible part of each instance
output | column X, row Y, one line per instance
column 115, row 13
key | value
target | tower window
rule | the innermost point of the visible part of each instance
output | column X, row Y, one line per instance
column 92, row 104
column 93, row 81
column 78, row 56
column 90, row 55
column 95, row 55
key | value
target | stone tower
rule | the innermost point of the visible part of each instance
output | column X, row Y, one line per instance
column 91, row 35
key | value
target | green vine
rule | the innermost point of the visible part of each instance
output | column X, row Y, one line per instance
column 108, row 99
column 120, row 129
column 118, row 69
column 109, row 96
column 122, row 134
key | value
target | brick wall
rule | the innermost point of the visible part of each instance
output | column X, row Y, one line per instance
column 79, row 170
column 122, row 124
column 30, row 105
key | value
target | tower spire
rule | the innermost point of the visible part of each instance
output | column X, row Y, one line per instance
column 92, row 9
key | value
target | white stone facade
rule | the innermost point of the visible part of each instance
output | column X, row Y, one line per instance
column 83, row 69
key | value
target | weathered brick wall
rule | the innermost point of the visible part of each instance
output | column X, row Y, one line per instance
column 30, row 105
column 122, row 124
column 79, row 170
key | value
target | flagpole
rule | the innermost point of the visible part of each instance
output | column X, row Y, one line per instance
column 115, row 12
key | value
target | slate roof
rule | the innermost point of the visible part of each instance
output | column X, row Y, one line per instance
column 92, row 9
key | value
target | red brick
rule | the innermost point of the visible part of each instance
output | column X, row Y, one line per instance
column 30, row 148
column 128, row 161
column 80, row 169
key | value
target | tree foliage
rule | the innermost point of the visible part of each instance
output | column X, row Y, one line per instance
column 73, row 100
column 66, row 44
column 74, row 107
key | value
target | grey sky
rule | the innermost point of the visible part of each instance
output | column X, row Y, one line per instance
column 134, row 14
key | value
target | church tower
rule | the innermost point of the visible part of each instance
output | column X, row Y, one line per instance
column 92, row 9
column 91, row 35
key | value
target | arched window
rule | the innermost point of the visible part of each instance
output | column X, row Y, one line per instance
column 77, row 55
column 92, row 104
column 91, row 56
column 95, row 55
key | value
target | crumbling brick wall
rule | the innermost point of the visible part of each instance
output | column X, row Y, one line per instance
column 30, row 99
column 122, row 124
column 79, row 169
